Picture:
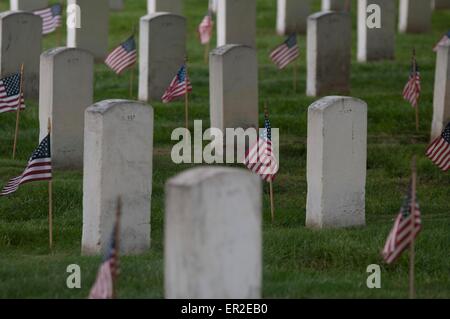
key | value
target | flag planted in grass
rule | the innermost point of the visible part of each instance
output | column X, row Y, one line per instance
column 285, row 53
column 39, row 168
column 179, row 86
column 260, row 158
column 122, row 57
column 439, row 150
column 103, row 287
column 406, row 227
column 443, row 41
column 51, row 18
column 412, row 89
column 205, row 29
column 104, row 284
column 11, row 95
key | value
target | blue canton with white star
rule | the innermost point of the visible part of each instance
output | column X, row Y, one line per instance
column 56, row 10
column 446, row 133
column 12, row 84
column 181, row 74
column 129, row 45
column 43, row 150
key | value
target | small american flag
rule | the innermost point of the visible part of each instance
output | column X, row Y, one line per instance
column 285, row 53
column 406, row 227
column 39, row 168
column 411, row 92
column 205, row 29
column 260, row 158
column 10, row 94
column 179, row 86
column 443, row 41
column 51, row 18
column 103, row 287
column 122, row 57
column 439, row 150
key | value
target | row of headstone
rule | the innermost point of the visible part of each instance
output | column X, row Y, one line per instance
column 213, row 235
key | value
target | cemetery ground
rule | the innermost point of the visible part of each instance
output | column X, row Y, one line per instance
column 297, row 262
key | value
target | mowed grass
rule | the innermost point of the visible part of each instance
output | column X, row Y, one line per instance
column 298, row 262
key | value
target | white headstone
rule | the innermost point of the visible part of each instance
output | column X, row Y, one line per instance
column 236, row 22
column 27, row 5
column 116, row 5
column 336, row 162
column 172, row 6
column 441, row 4
column 328, row 55
column 213, row 235
column 376, row 43
column 118, row 151
column 213, row 4
column 415, row 16
column 21, row 42
column 291, row 16
column 162, row 52
column 441, row 101
column 67, row 88
column 93, row 34
column 233, row 86
column 335, row 5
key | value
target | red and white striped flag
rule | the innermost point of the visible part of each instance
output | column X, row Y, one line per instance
column 51, row 18
column 285, row 53
column 406, row 227
column 439, row 150
column 179, row 86
column 122, row 57
column 103, row 287
column 412, row 89
column 11, row 94
column 205, row 29
column 39, row 168
column 260, row 158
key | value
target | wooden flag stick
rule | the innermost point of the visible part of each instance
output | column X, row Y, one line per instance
column 272, row 206
column 117, row 243
column 415, row 71
column 411, row 246
column 294, row 78
column 16, row 133
column 50, row 201
column 131, row 82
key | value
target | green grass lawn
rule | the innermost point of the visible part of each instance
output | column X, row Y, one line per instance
column 298, row 262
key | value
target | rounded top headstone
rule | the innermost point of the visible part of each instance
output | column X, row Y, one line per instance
column 19, row 13
column 64, row 50
column 227, row 48
column 328, row 101
column 104, row 106
column 159, row 15
column 328, row 14
column 202, row 174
